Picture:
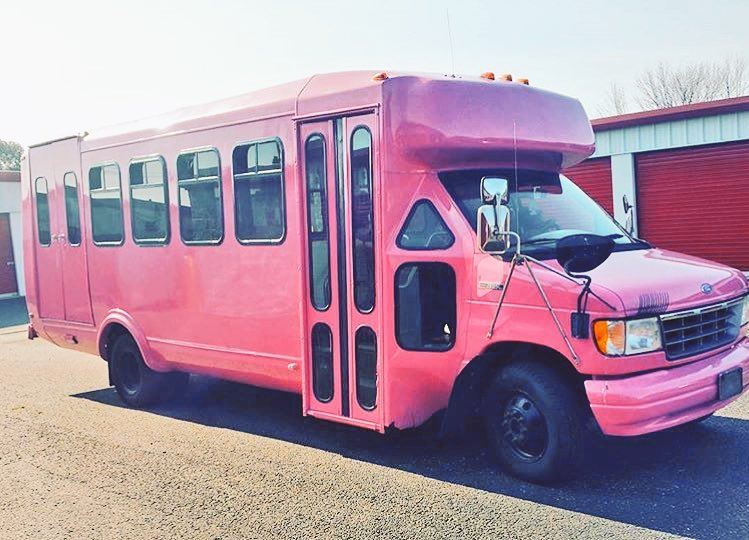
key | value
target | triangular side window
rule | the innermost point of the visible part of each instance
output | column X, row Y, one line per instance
column 424, row 229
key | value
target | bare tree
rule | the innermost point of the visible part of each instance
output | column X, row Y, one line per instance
column 669, row 86
column 733, row 77
column 615, row 101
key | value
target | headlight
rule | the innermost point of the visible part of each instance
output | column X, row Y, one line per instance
column 618, row 338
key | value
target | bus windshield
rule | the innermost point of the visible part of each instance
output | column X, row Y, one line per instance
column 544, row 208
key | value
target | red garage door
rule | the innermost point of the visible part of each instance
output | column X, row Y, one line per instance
column 7, row 264
column 696, row 201
column 594, row 177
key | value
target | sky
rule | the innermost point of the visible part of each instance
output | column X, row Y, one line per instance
column 77, row 65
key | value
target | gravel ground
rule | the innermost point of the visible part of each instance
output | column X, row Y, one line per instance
column 230, row 461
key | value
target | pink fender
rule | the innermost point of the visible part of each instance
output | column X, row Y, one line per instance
column 118, row 316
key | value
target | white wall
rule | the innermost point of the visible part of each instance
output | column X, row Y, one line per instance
column 10, row 202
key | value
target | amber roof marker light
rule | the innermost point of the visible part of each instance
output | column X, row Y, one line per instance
column 381, row 76
column 488, row 75
column 523, row 80
column 505, row 77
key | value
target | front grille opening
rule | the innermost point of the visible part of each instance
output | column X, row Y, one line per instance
column 700, row 330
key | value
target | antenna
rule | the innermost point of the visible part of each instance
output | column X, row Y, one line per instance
column 450, row 39
column 515, row 160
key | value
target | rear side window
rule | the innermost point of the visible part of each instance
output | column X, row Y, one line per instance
column 425, row 306
column 201, row 218
column 149, row 201
column 424, row 229
column 259, row 192
column 106, row 205
column 42, row 211
column 72, row 211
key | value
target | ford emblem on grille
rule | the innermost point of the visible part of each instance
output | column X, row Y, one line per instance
column 706, row 288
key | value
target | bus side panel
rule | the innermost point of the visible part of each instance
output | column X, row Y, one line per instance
column 230, row 310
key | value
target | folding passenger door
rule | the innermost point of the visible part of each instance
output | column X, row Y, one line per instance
column 343, row 362
column 71, row 233
column 60, row 248
column 45, row 202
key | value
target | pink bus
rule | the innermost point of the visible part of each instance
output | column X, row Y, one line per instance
column 389, row 246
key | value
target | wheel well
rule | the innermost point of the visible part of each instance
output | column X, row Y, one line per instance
column 108, row 337
column 468, row 391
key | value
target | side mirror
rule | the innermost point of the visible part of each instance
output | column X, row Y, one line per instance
column 494, row 190
column 493, row 224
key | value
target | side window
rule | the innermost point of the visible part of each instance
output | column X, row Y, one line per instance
column 106, row 205
column 149, row 201
column 425, row 306
column 259, row 192
column 362, row 219
column 72, row 211
column 424, row 229
column 201, row 218
column 317, row 221
column 42, row 211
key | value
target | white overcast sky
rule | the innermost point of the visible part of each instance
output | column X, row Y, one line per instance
column 72, row 65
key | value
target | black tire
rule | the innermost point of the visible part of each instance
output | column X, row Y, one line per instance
column 536, row 423
column 137, row 384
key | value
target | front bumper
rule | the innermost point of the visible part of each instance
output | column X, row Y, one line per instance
column 665, row 398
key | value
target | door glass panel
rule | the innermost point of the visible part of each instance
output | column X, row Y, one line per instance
column 425, row 306
column 322, row 362
column 72, row 211
column 317, row 222
column 362, row 220
column 42, row 212
column 366, row 367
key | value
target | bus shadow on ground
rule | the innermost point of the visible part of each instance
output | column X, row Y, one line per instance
column 691, row 481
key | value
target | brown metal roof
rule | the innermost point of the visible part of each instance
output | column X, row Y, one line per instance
column 672, row 113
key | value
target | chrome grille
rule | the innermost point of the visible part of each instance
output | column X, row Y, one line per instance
column 691, row 332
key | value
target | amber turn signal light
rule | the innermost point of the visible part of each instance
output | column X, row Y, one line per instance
column 610, row 336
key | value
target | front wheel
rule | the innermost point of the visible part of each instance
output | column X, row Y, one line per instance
column 536, row 423
column 136, row 383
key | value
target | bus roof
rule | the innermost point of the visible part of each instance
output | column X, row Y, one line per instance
column 546, row 122
column 312, row 95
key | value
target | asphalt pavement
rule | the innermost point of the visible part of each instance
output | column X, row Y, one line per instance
column 231, row 461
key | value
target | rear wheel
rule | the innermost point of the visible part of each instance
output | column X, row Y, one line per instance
column 136, row 383
column 536, row 423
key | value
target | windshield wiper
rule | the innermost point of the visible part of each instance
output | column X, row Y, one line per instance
column 537, row 241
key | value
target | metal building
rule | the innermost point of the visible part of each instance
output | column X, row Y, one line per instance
column 11, row 255
column 678, row 177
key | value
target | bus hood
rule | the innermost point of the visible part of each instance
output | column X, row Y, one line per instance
column 653, row 281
